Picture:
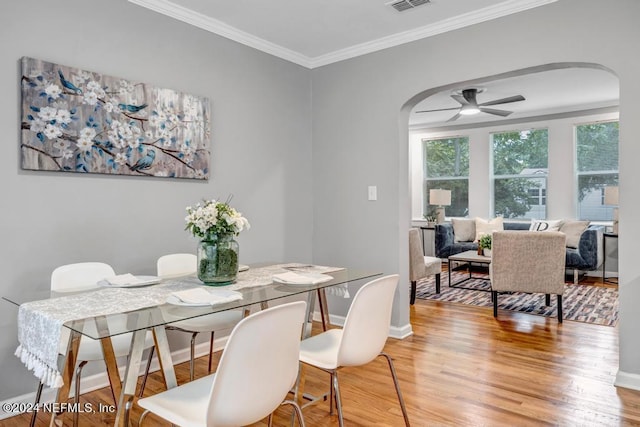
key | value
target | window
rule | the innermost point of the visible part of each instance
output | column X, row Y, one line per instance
column 597, row 168
column 520, row 161
column 447, row 167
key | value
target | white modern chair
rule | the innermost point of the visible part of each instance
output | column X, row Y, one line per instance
column 256, row 371
column 75, row 277
column 421, row 266
column 175, row 265
column 359, row 342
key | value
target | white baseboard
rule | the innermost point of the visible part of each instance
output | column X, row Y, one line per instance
column 100, row 380
column 627, row 380
column 398, row 332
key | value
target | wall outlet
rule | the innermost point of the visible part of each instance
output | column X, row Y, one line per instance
column 373, row 192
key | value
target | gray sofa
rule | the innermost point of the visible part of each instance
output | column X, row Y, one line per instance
column 586, row 257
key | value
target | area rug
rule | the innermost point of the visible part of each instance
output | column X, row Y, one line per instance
column 581, row 303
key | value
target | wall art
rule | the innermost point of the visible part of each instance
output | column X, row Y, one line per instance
column 81, row 121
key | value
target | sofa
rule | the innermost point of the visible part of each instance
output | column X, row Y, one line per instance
column 586, row 256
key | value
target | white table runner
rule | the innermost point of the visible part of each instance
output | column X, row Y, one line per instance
column 40, row 322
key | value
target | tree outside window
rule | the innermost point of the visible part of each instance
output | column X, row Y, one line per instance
column 447, row 168
column 520, row 167
column 597, row 168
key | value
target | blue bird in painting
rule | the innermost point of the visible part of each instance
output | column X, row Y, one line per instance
column 67, row 84
column 132, row 108
column 144, row 162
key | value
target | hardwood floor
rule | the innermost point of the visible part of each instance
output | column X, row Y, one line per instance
column 462, row 367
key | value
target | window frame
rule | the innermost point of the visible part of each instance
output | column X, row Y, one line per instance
column 577, row 173
column 535, row 175
column 425, row 174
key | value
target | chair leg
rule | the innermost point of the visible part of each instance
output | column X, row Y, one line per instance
column 494, row 295
column 397, row 385
column 559, row 308
column 76, row 398
column 146, row 371
column 438, row 283
column 296, row 409
column 35, row 413
column 412, row 300
column 547, row 299
column 332, row 395
column 211, row 350
column 142, row 417
column 192, row 361
column 575, row 276
column 338, row 398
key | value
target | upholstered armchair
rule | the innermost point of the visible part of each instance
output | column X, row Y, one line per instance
column 530, row 262
column 421, row 266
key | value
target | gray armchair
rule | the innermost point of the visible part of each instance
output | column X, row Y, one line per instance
column 421, row 266
column 530, row 262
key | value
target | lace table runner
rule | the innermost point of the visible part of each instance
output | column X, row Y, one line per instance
column 40, row 322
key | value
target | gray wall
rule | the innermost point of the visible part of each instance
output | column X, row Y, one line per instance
column 264, row 122
column 360, row 127
column 261, row 145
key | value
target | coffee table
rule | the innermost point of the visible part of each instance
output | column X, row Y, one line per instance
column 470, row 258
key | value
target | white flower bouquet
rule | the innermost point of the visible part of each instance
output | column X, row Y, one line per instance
column 214, row 218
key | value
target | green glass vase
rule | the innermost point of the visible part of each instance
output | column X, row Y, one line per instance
column 218, row 260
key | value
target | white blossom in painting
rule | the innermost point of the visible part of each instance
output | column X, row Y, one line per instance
column 79, row 121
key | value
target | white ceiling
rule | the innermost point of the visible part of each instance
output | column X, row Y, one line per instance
column 314, row 33
column 547, row 92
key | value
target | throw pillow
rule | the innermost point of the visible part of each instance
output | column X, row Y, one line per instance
column 484, row 226
column 573, row 230
column 544, row 225
column 464, row 230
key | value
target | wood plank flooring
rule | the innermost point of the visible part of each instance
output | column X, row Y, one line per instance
column 462, row 367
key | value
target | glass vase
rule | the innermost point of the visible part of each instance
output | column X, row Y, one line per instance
column 218, row 260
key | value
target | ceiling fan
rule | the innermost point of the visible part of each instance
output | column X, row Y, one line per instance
column 469, row 105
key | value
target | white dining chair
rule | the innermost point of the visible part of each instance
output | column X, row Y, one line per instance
column 175, row 265
column 257, row 370
column 82, row 276
column 359, row 342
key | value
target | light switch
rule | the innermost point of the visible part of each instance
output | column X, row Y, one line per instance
column 373, row 192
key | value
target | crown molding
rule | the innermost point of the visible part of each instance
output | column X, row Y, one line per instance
column 486, row 14
column 207, row 23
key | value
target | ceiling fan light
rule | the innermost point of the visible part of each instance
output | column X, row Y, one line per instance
column 469, row 110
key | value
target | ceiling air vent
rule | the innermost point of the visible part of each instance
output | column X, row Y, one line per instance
column 403, row 5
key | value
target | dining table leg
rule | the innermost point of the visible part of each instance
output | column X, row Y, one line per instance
column 109, row 358
column 67, row 372
column 163, row 350
column 324, row 309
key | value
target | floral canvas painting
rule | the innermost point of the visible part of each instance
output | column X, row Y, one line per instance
column 80, row 121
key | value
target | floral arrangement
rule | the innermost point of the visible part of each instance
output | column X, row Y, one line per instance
column 214, row 218
column 485, row 241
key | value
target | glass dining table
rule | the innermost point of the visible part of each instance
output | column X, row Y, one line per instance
column 256, row 286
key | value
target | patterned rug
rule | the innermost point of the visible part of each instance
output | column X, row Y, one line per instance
column 582, row 303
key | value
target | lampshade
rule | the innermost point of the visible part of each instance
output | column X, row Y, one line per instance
column 611, row 196
column 441, row 197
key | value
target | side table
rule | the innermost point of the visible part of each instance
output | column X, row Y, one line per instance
column 604, row 258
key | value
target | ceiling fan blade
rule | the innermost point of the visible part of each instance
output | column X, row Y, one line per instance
column 514, row 98
column 454, row 118
column 503, row 113
column 461, row 99
column 441, row 109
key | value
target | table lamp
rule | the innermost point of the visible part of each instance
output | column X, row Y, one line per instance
column 611, row 199
column 440, row 198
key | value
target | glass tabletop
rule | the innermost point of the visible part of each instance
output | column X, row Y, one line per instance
column 164, row 313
